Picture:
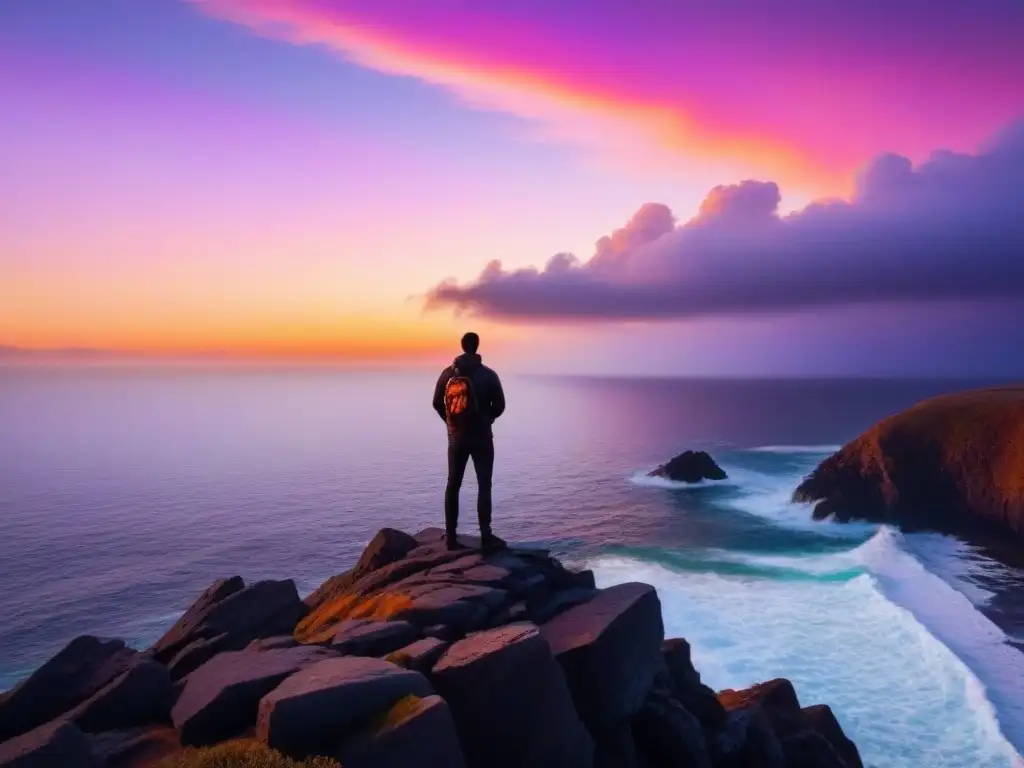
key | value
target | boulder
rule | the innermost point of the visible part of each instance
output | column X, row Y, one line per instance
column 80, row 670
column 820, row 718
column 54, row 745
column 809, row 749
column 141, row 696
column 953, row 464
column 690, row 467
column 415, row 731
column 616, row 748
column 748, row 741
column 776, row 698
column 697, row 698
column 420, row 656
column 364, row 637
column 584, row 579
column 387, row 547
column 221, row 698
column 372, row 595
column 273, row 643
column 610, row 650
column 544, row 610
column 178, row 636
column 665, row 732
column 312, row 711
column 135, row 747
column 511, row 705
column 195, row 654
column 228, row 619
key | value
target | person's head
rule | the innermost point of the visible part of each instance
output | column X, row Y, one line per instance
column 470, row 343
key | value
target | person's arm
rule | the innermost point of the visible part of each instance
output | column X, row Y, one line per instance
column 497, row 399
column 439, row 394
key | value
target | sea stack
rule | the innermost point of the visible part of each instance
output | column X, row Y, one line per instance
column 948, row 463
column 690, row 467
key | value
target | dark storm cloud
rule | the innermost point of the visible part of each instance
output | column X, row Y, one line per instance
column 951, row 228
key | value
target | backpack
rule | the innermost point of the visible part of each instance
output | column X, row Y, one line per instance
column 460, row 403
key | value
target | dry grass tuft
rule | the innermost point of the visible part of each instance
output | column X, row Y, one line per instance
column 243, row 753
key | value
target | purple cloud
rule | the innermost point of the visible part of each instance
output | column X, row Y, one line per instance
column 949, row 229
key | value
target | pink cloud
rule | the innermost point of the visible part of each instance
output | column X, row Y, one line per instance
column 947, row 230
column 797, row 91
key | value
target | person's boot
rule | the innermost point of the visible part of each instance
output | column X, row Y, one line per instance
column 489, row 542
column 452, row 541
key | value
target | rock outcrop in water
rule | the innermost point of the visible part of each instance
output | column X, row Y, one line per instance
column 948, row 463
column 690, row 467
column 416, row 656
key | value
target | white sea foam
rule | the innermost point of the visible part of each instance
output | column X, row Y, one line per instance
column 643, row 478
column 905, row 698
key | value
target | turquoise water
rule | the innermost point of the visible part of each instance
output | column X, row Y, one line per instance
column 125, row 491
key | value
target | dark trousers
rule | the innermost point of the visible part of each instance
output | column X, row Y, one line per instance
column 459, row 454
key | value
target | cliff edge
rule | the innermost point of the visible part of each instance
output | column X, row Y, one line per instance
column 415, row 656
column 948, row 463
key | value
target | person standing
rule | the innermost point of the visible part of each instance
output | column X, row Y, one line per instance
column 469, row 398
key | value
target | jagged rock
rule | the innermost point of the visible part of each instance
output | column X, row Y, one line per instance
column 696, row 698
column 415, row 731
column 809, row 749
column 610, row 649
column 58, row 744
column 221, row 698
column 441, row 632
column 371, row 595
column 477, row 568
column 748, row 741
column 950, row 463
column 665, row 732
column 141, row 696
column 616, row 748
column 363, row 637
column 560, row 602
column 821, row 719
column 226, row 618
column 273, row 643
column 510, row 701
column 180, row 634
column 679, row 662
column 313, row 710
column 80, row 670
column 776, row 698
column 420, row 656
column 584, row 579
column 135, row 747
column 195, row 654
column 387, row 547
column 690, row 467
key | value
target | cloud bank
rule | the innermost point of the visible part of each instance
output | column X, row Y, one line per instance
column 950, row 229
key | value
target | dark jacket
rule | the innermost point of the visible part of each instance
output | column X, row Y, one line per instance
column 486, row 387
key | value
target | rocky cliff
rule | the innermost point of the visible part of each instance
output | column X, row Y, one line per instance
column 415, row 656
column 948, row 463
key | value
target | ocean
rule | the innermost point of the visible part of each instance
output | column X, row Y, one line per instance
column 125, row 490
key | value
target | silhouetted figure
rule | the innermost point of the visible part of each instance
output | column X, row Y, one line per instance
column 468, row 396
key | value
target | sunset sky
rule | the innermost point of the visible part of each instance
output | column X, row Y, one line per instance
column 746, row 187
